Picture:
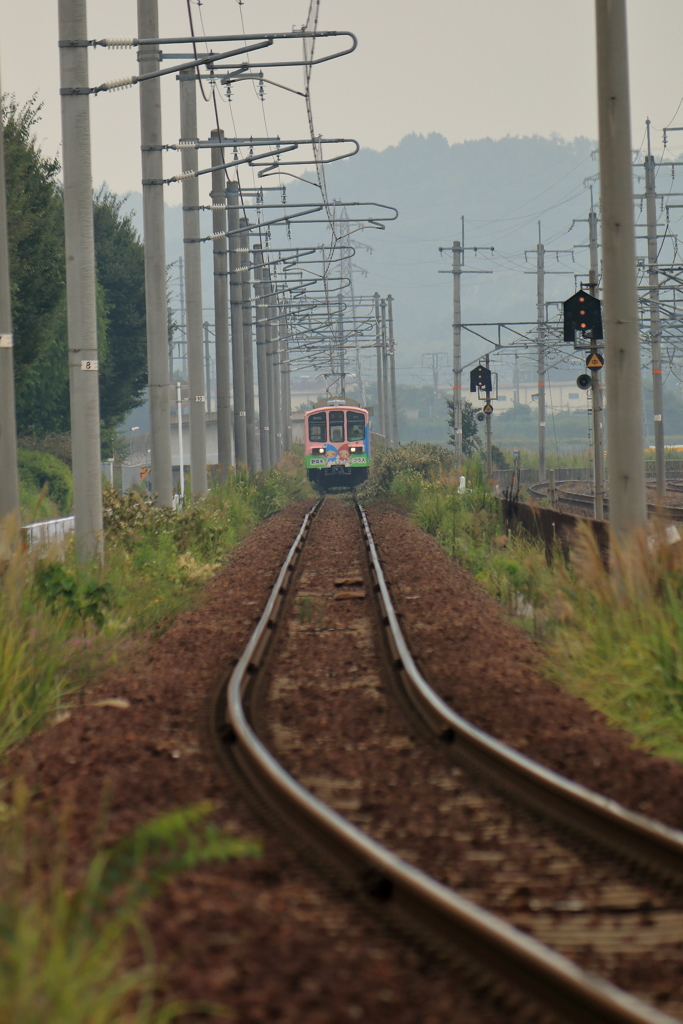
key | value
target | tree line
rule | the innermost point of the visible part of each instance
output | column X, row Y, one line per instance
column 35, row 215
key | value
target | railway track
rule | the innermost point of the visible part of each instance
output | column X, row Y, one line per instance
column 585, row 501
column 400, row 888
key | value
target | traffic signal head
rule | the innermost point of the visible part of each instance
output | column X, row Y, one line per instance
column 480, row 378
column 582, row 313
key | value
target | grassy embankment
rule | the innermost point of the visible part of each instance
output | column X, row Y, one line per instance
column 66, row 948
column 614, row 639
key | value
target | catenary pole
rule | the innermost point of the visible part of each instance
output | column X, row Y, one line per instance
column 9, row 476
column 247, row 339
column 540, row 351
column 155, row 256
column 379, row 411
column 285, row 380
column 625, row 463
column 596, row 383
column 222, row 311
column 274, row 317
column 240, row 420
column 261, row 367
column 270, row 368
column 655, row 318
column 181, row 453
column 193, row 285
column 489, row 450
column 385, row 377
column 392, row 364
column 457, row 356
column 81, row 287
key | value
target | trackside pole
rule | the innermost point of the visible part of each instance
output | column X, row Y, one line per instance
column 81, row 293
column 155, row 256
column 625, row 462
column 222, row 313
column 9, row 476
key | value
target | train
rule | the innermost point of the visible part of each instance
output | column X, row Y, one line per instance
column 337, row 443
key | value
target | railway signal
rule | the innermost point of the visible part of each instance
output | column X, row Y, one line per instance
column 480, row 379
column 582, row 313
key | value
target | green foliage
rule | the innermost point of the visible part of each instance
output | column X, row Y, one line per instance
column 83, row 599
column 471, row 442
column 419, row 458
column 38, row 470
column 36, row 243
column 64, row 954
column 120, row 260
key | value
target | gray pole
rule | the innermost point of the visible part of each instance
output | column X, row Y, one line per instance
column 489, row 453
column 379, row 411
column 385, row 377
column 9, row 491
column 277, row 376
column 625, row 462
column 540, row 319
column 183, row 325
column 596, row 385
column 193, row 286
column 286, row 384
column 515, row 380
column 270, row 367
column 81, row 287
column 261, row 359
column 207, row 363
column 221, row 316
column 392, row 358
column 248, row 342
column 457, row 356
column 655, row 321
column 155, row 256
column 240, row 423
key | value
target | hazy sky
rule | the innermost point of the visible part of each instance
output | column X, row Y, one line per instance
column 464, row 68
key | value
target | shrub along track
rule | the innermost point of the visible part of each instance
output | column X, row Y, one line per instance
column 319, row 699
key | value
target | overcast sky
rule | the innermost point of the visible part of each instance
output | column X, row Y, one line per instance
column 464, row 68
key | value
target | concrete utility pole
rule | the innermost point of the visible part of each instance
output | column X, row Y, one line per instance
column 596, row 385
column 275, row 375
column 193, row 285
column 221, row 314
column 240, row 422
column 155, row 255
column 457, row 355
column 247, row 339
column 392, row 358
column 181, row 304
column 385, row 377
column 181, row 453
column 261, row 359
column 270, row 329
column 515, row 379
column 81, row 288
column 285, row 381
column 379, row 411
column 540, row 320
column 489, row 451
column 655, row 319
column 9, row 490
column 625, row 462
column 207, row 362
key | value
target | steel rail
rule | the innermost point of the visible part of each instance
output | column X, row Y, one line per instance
column 672, row 512
column 431, row 908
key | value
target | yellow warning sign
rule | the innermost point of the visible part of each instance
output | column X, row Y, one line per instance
column 488, row 409
column 595, row 361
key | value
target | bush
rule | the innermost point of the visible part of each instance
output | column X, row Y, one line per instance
column 416, row 458
column 38, row 470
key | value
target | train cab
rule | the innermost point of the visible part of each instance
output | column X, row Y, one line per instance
column 337, row 443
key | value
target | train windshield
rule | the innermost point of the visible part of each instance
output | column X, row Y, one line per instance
column 317, row 427
column 337, row 426
column 355, row 426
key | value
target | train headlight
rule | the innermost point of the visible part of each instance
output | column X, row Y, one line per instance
column 321, row 451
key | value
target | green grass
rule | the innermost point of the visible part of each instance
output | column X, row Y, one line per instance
column 614, row 638
column 77, row 952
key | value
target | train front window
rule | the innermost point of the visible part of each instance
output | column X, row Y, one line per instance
column 317, row 427
column 337, row 426
column 355, row 426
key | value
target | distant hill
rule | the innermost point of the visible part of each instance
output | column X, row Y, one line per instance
column 502, row 187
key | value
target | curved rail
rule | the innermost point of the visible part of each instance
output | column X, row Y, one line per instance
column 375, row 871
column 672, row 512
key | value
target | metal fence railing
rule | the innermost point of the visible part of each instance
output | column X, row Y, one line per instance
column 53, row 531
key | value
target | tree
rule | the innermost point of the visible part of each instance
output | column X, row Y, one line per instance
column 36, row 239
column 120, row 259
column 471, row 442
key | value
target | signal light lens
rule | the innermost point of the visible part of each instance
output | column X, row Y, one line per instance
column 583, row 327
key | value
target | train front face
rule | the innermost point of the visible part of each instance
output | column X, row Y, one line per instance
column 337, row 445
